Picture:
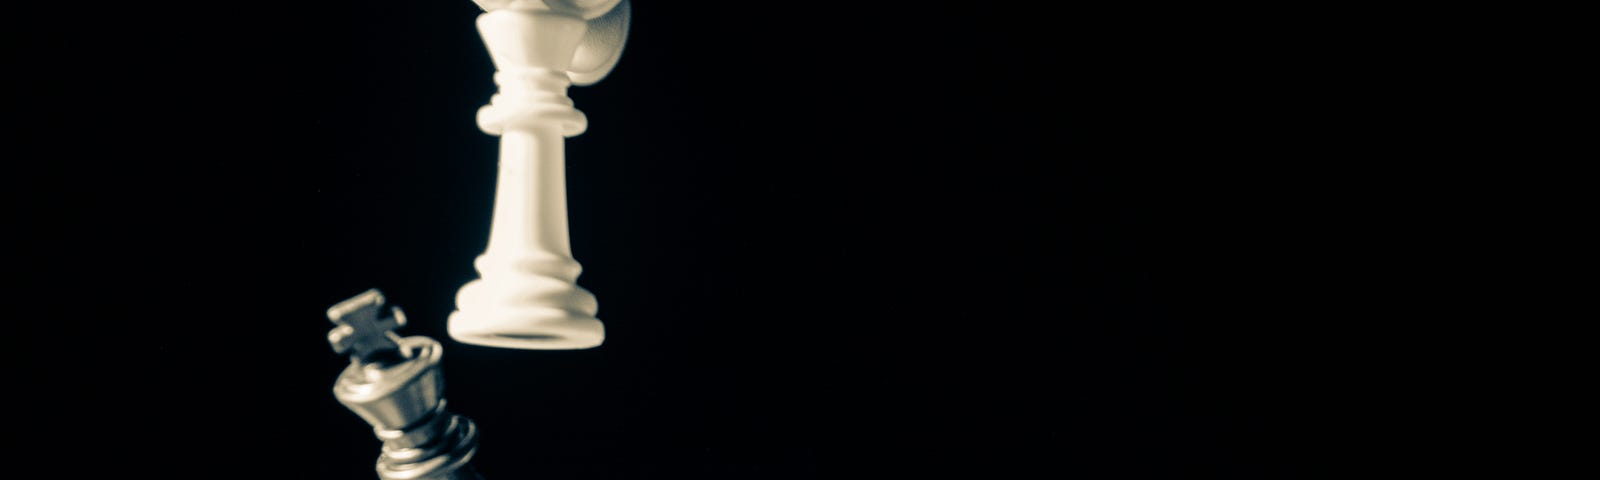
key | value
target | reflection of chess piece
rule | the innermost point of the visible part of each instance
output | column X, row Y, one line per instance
column 394, row 384
column 528, row 296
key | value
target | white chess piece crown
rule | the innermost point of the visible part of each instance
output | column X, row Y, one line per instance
column 527, row 296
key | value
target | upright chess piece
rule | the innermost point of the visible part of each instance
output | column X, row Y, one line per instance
column 394, row 384
column 527, row 296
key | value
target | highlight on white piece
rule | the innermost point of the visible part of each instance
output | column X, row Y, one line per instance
column 527, row 296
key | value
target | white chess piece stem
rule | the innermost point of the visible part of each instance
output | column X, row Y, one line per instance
column 527, row 296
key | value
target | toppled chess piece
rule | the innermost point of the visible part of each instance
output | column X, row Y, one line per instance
column 395, row 385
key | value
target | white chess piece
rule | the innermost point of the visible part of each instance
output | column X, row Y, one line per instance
column 527, row 296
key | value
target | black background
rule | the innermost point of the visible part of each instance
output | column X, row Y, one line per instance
column 827, row 240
